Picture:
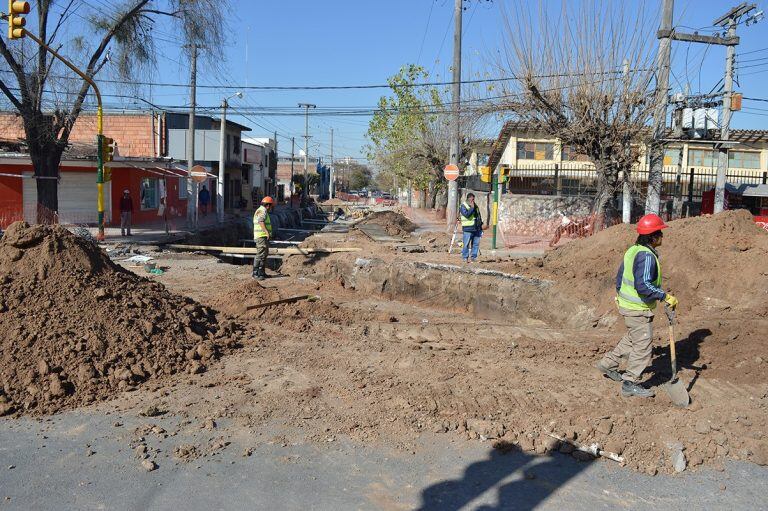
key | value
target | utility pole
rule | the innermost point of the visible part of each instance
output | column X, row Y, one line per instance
column 306, row 107
column 656, row 150
column 626, row 207
column 290, row 187
column 223, row 156
column 666, row 34
column 453, row 186
column 729, row 20
column 277, row 159
column 332, row 190
column 191, row 184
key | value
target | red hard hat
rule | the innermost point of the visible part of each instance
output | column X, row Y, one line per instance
column 650, row 223
column 267, row 200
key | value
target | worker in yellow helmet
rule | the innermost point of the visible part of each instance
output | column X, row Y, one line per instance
column 262, row 232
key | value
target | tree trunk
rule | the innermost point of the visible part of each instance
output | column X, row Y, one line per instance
column 422, row 198
column 604, row 209
column 431, row 194
column 45, row 152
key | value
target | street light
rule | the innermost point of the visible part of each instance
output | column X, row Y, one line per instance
column 222, row 156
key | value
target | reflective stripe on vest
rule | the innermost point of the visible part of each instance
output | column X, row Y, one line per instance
column 258, row 232
column 628, row 297
column 467, row 221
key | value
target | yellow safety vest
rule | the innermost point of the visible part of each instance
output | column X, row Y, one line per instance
column 628, row 297
column 467, row 221
column 258, row 231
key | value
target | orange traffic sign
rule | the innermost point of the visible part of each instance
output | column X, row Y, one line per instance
column 451, row 172
column 198, row 174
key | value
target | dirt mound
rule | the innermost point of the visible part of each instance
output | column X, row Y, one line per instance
column 78, row 328
column 714, row 261
column 396, row 224
column 237, row 302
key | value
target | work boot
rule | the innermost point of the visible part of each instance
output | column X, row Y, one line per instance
column 629, row 389
column 608, row 373
column 258, row 272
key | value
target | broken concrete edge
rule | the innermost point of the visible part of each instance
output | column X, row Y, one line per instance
column 482, row 271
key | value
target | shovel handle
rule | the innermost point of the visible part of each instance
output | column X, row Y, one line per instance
column 672, row 354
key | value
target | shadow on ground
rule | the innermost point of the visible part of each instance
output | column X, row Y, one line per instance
column 520, row 481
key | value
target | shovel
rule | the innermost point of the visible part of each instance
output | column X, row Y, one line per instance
column 675, row 387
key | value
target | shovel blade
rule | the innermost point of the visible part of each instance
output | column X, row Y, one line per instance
column 678, row 393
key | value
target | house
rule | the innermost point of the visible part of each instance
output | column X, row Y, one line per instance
column 141, row 166
column 289, row 167
column 207, row 143
column 150, row 161
column 542, row 165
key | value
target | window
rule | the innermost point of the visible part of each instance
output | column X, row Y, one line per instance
column 672, row 156
column 568, row 153
column 182, row 188
column 743, row 160
column 535, row 150
column 149, row 193
column 236, row 144
column 702, row 158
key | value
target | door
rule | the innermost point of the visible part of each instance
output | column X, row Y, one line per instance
column 77, row 198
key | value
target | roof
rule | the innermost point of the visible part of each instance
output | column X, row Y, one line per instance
column 755, row 191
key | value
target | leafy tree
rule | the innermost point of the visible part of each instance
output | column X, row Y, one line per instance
column 124, row 35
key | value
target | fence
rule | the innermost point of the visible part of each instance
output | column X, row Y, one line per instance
column 579, row 179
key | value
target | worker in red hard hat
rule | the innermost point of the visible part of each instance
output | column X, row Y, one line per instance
column 262, row 232
column 638, row 290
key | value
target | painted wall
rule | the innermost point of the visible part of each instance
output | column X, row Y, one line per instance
column 131, row 179
column 11, row 205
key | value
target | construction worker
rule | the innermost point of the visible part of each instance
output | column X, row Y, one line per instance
column 638, row 290
column 262, row 231
column 471, row 228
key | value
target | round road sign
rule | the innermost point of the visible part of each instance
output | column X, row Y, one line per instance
column 451, row 172
column 198, row 173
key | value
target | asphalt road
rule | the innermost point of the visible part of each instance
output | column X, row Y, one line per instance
column 84, row 461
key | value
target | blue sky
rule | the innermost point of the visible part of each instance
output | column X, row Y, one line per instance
column 349, row 42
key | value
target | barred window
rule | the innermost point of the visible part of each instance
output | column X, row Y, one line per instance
column 535, row 150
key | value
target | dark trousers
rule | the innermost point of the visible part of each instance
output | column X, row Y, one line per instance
column 260, row 258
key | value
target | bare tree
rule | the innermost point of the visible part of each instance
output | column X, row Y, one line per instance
column 583, row 75
column 123, row 33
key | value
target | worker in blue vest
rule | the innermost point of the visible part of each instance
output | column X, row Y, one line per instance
column 262, row 232
column 471, row 228
column 638, row 290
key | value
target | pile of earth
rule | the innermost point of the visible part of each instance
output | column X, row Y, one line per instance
column 708, row 262
column 78, row 328
column 396, row 224
column 245, row 302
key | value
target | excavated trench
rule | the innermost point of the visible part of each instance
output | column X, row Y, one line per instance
column 484, row 294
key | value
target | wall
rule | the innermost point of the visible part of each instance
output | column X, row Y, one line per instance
column 130, row 178
column 11, row 204
column 539, row 216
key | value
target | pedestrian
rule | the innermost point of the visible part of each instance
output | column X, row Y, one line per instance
column 262, row 232
column 471, row 228
column 204, row 198
column 126, row 212
column 638, row 290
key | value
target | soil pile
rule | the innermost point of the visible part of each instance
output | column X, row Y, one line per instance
column 78, row 328
column 708, row 262
column 396, row 224
column 244, row 302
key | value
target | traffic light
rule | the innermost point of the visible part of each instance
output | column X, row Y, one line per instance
column 485, row 174
column 16, row 21
column 107, row 175
column 107, row 149
column 503, row 174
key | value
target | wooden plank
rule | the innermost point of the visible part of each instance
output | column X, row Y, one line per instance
column 283, row 300
column 279, row 251
column 377, row 233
